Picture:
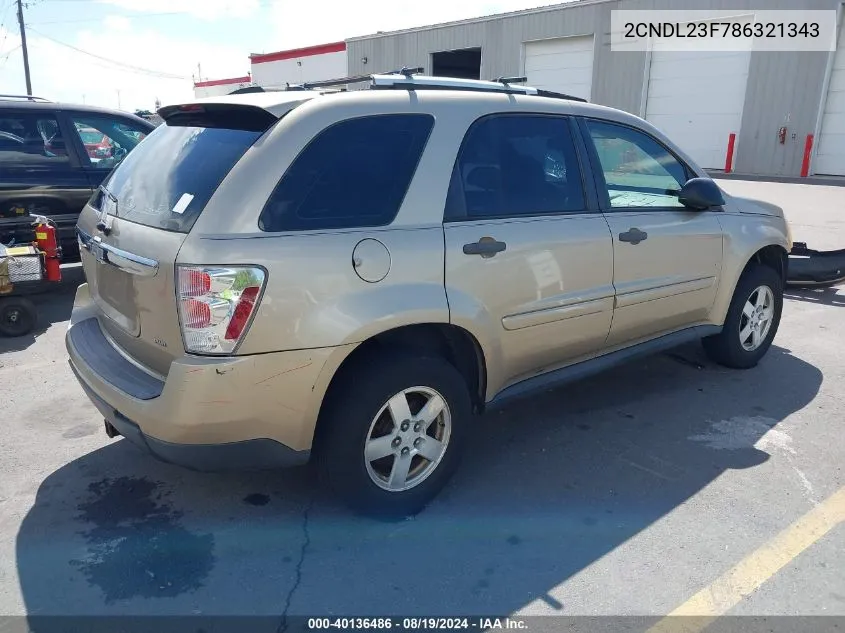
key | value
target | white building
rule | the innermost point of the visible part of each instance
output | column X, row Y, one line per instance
column 750, row 111
column 313, row 63
column 217, row 87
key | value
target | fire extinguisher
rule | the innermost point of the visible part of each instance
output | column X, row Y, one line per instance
column 45, row 237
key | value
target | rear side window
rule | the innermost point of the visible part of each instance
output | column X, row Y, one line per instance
column 353, row 174
column 31, row 140
column 166, row 181
column 516, row 165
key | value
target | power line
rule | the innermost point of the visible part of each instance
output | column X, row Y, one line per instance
column 6, row 12
column 137, row 69
column 261, row 3
column 7, row 54
column 132, row 17
column 3, row 22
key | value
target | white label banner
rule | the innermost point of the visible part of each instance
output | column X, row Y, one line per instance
column 723, row 30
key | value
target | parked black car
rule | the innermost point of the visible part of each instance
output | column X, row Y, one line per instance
column 53, row 156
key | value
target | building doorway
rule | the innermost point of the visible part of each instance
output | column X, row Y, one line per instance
column 462, row 64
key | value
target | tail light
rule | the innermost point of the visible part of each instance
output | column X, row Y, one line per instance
column 216, row 305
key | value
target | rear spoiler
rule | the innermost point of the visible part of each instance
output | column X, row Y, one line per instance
column 218, row 115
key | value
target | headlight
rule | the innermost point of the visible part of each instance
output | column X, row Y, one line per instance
column 788, row 235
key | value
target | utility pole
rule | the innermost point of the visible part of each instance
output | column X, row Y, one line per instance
column 199, row 72
column 23, row 47
column 118, row 98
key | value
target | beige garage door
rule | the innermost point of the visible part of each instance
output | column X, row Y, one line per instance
column 696, row 98
column 563, row 65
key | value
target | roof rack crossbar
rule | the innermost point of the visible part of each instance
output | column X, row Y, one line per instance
column 344, row 81
column 408, row 72
column 409, row 82
column 354, row 79
column 25, row 98
column 402, row 85
column 511, row 80
column 559, row 95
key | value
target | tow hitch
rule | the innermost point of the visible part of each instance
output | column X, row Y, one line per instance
column 808, row 267
column 110, row 430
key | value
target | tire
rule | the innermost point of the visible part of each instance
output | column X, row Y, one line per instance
column 18, row 316
column 358, row 409
column 730, row 347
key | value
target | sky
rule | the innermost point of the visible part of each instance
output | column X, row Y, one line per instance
column 127, row 53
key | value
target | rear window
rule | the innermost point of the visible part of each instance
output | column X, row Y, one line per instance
column 167, row 180
column 353, row 174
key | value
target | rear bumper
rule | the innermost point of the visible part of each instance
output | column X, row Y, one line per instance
column 808, row 267
column 208, row 413
column 252, row 454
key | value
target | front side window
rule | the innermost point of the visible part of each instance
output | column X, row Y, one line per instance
column 353, row 174
column 638, row 171
column 516, row 165
column 31, row 140
column 106, row 140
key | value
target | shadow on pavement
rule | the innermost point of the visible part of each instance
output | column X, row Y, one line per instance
column 549, row 486
column 54, row 305
column 832, row 296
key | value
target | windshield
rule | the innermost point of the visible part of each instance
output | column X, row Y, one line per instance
column 170, row 177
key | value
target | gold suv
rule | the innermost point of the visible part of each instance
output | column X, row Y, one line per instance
column 352, row 276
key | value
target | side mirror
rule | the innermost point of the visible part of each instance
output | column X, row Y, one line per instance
column 700, row 194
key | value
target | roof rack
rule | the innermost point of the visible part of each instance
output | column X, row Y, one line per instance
column 413, row 79
column 405, row 73
column 25, row 98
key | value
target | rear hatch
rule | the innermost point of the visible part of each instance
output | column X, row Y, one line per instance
column 134, row 225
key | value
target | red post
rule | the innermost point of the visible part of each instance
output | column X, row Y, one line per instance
column 729, row 158
column 808, row 150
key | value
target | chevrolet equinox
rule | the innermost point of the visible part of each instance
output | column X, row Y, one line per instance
column 349, row 277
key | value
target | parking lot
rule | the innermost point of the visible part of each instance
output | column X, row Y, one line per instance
column 625, row 494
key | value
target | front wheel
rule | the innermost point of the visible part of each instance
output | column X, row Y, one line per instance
column 393, row 432
column 752, row 320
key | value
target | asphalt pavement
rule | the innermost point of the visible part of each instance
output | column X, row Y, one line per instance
column 627, row 494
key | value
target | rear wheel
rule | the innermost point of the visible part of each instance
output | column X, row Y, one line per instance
column 17, row 316
column 752, row 320
column 393, row 432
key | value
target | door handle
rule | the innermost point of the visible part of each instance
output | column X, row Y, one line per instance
column 633, row 236
column 486, row 247
column 117, row 257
